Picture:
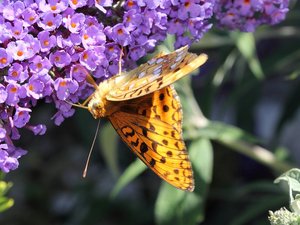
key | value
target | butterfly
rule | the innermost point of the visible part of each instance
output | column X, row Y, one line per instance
column 144, row 108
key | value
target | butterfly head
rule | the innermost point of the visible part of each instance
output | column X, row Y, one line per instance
column 96, row 107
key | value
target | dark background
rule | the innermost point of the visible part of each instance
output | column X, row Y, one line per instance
column 48, row 187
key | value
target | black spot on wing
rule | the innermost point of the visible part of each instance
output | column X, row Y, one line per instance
column 136, row 143
column 165, row 108
column 143, row 148
column 169, row 153
column 152, row 163
column 128, row 131
column 161, row 96
column 165, row 142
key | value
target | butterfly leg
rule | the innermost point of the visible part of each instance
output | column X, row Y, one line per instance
column 86, row 101
column 83, row 106
column 91, row 81
column 120, row 60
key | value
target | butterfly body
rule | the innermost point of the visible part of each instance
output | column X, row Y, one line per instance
column 145, row 110
column 99, row 105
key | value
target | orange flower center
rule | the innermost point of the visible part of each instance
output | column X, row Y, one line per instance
column 31, row 87
column 17, row 32
column 31, row 18
column 85, row 56
column 3, row 60
column 73, row 25
column 187, row 4
column 130, row 3
column 85, row 36
column 20, row 53
column 14, row 73
column 120, row 32
column 63, row 84
column 53, row 7
column 46, row 42
column 13, row 90
column 49, row 23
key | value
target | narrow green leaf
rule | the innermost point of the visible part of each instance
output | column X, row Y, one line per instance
column 132, row 171
column 245, row 42
column 214, row 40
column 221, row 131
column 201, row 155
column 177, row 207
column 224, row 69
column 109, row 143
column 241, row 142
column 289, row 107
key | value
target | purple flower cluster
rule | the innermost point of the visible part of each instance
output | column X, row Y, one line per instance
column 47, row 47
column 246, row 15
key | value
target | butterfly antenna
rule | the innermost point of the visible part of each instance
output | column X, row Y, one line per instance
column 77, row 105
column 90, row 152
column 120, row 60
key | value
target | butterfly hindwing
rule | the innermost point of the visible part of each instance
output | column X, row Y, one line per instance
column 152, row 127
column 157, row 73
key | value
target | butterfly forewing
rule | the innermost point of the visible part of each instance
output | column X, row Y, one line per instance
column 151, row 127
column 144, row 108
column 155, row 74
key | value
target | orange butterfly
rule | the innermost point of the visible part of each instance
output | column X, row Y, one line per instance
column 145, row 110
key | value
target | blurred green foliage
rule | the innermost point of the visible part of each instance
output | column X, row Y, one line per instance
column 241, row 124
column 5, row 203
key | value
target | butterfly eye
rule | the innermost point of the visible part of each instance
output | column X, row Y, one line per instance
column 96, row 106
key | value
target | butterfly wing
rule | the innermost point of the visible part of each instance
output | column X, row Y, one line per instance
column 152, row 128
column 157, row 73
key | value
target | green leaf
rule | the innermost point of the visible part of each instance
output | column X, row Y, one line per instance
column 109, row 146
column 5, row 203
column 201, row 156
column 292, row 177
column 132, row 171
column 176, row 207
column 245, row 42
